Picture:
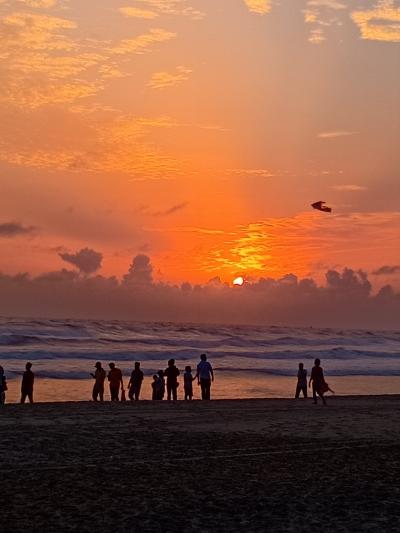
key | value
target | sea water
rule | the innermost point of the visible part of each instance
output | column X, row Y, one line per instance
column 249, row 362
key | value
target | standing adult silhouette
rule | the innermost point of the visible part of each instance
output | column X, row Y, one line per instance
column 115, row 379
column 205, row 376
column 318, row 382
column 98, row 387
column 28, row 379
column 172, row 373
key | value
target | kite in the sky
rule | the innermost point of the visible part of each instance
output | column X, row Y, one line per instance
column 321, row 207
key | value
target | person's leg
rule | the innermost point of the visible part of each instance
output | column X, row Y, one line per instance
column 298, row 388
column 137, row 392
column 94, row 393
column 169, row 390
column 321, row 395
column 314, row 394
column 101, row 393
column 304, row 388
column 30, row 396
column 23, row 397
column 203, row 390
column 130, row 393
column 174, row 392
column 208, row 389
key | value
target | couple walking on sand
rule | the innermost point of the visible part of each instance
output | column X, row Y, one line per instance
column 317, row 379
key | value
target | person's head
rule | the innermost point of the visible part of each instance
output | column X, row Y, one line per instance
column 188, row 368
column 98, row 365
column 155, row 377
column 137, row 366
column 171, row 362
column 28, row 366
column 112, row 366
column 317, row 362
column 161, row 373
column 203, row 357
column 301, row 366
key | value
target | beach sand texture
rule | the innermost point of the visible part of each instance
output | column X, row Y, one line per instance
column 229, row 465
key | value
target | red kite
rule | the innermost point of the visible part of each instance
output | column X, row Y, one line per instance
column 321, row 207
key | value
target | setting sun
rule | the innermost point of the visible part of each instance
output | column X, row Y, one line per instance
column 238, row 281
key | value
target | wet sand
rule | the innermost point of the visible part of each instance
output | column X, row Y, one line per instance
column 225, row 465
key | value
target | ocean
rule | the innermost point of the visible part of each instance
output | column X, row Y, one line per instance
column 248, row 361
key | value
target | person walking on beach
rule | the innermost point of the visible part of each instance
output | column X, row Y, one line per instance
column 172, row 374
column 188, row 383
column 98, row 388
column 301, row 381
column 27, row 384
column 3, row 386
column 135, row 382
column 205, row 376
column 318, row 382
column 115, row 379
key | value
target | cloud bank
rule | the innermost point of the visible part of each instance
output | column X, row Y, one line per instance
column 345, row 300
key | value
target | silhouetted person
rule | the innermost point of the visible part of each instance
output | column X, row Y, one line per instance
column 318, row 382
column 115, row 379
column 160, row 385
column 27, row 384
column 135, row 382
column 301, row 381
column 154, row 387
column 3, row 386
column 172, row 373
column 188, row 383
column 98, row 387
column 205, row 376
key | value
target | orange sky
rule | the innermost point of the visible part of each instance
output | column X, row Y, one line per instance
column 198, row 132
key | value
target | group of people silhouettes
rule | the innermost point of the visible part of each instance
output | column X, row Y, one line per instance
column 165, row 381
column 317, row 380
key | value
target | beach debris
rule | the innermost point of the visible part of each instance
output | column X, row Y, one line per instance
column 321, row 207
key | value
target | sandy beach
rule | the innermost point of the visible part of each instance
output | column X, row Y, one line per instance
column 244, row 465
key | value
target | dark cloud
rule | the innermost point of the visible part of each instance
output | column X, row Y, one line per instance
column 15, row 229
column 86, row 260
column 171, row 210
column 387, row 270
column 140, row 271
column 344, row 301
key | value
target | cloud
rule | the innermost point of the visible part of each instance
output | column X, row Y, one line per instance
column 387, row 270
column 320, row 15
column 142, row 43
column 162, row 80
column 261, row 7
column 43, row 4
column 344, row 300
column 382, row 23
column 140, row 272
column 162, row 7
column 171, row 210
column 137, row 12
column 349, row 187
column 15, row 229
column 86, row 260
column 335, row 134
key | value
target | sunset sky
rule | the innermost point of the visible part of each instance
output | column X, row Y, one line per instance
column 198, row 133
